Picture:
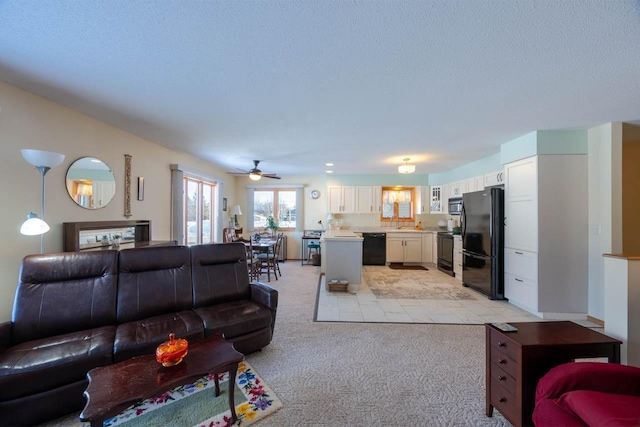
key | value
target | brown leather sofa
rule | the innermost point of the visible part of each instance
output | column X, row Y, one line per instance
column 76, row 311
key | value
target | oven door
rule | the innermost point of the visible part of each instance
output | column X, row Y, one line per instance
column 445, row 254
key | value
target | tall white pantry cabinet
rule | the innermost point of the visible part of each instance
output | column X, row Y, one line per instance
column 546, row 235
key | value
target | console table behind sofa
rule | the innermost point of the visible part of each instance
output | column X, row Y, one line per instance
column 73, row 230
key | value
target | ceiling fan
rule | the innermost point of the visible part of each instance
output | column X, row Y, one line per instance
column 255, row 174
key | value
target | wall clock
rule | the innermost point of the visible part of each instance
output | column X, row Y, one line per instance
column 315, row 194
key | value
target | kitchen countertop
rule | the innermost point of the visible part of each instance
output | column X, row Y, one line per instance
column 394, row 230
column 342, row 235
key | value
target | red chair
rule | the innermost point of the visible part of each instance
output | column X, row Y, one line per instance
column 588, row 394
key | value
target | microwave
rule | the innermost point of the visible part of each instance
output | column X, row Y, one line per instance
column 455, row 206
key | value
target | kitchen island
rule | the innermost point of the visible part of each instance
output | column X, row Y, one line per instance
column 342, row 257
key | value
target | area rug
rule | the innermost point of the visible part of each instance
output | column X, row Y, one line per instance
column 407, row 284
column 400, row 266
column 196, row 405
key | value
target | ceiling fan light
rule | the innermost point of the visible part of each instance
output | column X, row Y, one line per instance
column 406, row 168
column 254, row 176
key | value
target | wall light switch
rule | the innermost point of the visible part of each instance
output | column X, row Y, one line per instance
column 594, row 229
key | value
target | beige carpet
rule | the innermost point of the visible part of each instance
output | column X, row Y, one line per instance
column 367, row 374
column 386, row 283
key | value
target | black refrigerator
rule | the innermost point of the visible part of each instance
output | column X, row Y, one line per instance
column 482, row 224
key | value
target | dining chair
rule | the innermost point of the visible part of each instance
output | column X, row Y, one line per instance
column 269, row 259
column 253, row 263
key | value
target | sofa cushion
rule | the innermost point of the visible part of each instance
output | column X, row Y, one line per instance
column 153, row 281
column 39, row 365
column 234, row 318
column 219, row 273
column 603, row 409
column 143, row 336
column 548, row 413
column 58, row 292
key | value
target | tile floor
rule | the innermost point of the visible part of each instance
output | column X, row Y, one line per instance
column 365, row 307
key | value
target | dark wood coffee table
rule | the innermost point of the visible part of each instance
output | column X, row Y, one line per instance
column 114, row 388
column 517, row 360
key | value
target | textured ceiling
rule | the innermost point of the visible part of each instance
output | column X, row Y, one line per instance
column 299, row 83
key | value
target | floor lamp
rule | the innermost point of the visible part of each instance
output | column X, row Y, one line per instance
column 43, row 161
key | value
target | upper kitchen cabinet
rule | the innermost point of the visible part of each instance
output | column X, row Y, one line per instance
column 437, row 199
column 368, row 199
column 456, row 189
column 475, row 183
column 494, row 178
column 342, row 199
column 423, row 196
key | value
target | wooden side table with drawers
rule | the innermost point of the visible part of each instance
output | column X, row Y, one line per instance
column 517, row 360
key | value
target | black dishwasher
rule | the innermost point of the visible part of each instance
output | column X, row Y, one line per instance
column 374, row 248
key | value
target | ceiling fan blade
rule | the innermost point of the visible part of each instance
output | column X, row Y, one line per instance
column 270, row 175
column 238, row 173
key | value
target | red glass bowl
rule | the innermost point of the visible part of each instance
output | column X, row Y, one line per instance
column 171, row 352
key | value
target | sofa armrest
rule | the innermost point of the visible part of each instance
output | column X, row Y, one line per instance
column 5, row 336
column 603, row 377
column 265, row 295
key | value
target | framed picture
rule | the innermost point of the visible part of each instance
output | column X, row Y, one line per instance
column 224, row 204
column 141, row 188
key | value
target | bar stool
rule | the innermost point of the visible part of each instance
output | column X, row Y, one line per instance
column 312, row 246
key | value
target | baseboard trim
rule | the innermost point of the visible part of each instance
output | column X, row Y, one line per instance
column 596, row 321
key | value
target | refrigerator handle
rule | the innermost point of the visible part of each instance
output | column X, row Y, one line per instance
column 463, row 223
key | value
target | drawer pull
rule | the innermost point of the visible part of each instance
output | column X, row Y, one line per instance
column 502, row 361
column 502, row 399
column 501, row 344
column 519, row 253
column 519, row 280
column 502, row 377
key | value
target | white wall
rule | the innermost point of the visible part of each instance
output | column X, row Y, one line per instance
column 29, row 121
column 605, row 206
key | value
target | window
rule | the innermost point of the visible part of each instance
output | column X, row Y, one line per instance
column 198, row 211
column 397, row 203
column 284, row 201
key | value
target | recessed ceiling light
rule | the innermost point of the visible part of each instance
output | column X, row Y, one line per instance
column 329, row 171
column 328, row 164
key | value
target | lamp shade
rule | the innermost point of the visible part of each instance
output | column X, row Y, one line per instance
column 406, row 167
column 33, row 226
column 42, row 158
column 235, row 210
column 255, row 176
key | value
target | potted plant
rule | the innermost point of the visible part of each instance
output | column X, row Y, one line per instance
column 272, row 225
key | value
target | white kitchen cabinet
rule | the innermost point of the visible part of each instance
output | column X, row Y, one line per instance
column 457, row 257
column 404, row 248
column 546, row 234
column 376, row 196
column 456, row 189
column 434, row 251
column 521, row 205
column 494, row 178
column 479, row 182
column 437, row 199
column 423, row 199
column 342, row 199
column 102, row 192
column 427, row 247
column 364, row 199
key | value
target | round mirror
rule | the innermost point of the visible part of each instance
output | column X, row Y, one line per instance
column 90, row 183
